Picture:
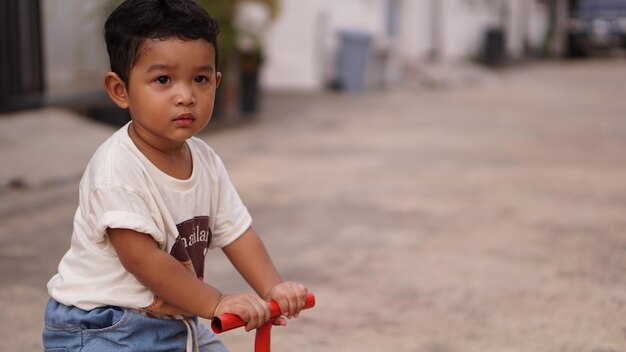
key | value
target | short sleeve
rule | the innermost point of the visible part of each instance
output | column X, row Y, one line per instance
column 232, row 218
column 118, row 207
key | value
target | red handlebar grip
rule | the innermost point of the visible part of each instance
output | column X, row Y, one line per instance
column 225, row 322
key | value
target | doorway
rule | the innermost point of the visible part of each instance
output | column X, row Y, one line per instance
column 21, row 67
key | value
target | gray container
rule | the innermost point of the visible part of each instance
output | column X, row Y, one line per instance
column 354, row 51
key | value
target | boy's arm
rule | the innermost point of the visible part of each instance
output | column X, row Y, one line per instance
column 249, row 256
column 167, row 278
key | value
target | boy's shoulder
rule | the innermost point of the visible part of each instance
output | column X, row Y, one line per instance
column 200, row 147
column 115, row 161
column 209, row 160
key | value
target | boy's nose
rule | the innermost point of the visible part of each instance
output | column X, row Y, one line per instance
column 185, row 97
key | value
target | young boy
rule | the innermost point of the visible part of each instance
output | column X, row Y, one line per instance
column 154, row 199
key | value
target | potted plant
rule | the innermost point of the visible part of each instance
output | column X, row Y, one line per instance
column 243, row 24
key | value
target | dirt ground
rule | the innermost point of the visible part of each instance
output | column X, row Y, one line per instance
column 482, row 216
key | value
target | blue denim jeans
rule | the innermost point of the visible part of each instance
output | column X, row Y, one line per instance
column 69, row 329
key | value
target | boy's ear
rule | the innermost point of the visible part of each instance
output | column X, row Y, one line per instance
column 116, row 89
column 218, row 79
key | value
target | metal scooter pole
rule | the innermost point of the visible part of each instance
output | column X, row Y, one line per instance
column 262, row 341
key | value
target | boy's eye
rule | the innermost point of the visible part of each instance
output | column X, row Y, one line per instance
column 200, row 79
column 162, row 80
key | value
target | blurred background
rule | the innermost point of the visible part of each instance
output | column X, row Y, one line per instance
column 445, row 175
column 53, row 51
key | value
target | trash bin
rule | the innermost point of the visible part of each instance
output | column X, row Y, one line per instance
column 494, row 47
column 354, row 50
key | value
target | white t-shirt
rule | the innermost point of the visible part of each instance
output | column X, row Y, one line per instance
column 121, row 188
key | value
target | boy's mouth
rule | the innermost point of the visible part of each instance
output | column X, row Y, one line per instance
column 184, row 120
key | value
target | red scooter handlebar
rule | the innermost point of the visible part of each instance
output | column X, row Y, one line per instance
column 225, row 322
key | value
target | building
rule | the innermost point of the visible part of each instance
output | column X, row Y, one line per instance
column 50, row 50
column 53, row 49
column 302, row 45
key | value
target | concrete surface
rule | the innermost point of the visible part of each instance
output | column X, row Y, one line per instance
column 44, row 146
column 484, row 217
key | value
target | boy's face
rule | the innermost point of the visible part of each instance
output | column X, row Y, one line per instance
column 171, row 89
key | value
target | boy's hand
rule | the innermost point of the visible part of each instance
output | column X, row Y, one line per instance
column 249, row 307
column 290, row 297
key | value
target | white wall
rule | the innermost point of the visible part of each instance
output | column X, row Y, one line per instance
column 464, row 25
column 415, row 37
column 537, row 23
column 291, row 57
column 74, row 51
column 516, row 27
column 302, row 42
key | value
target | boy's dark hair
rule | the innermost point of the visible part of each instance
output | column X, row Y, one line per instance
column 135, row 21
